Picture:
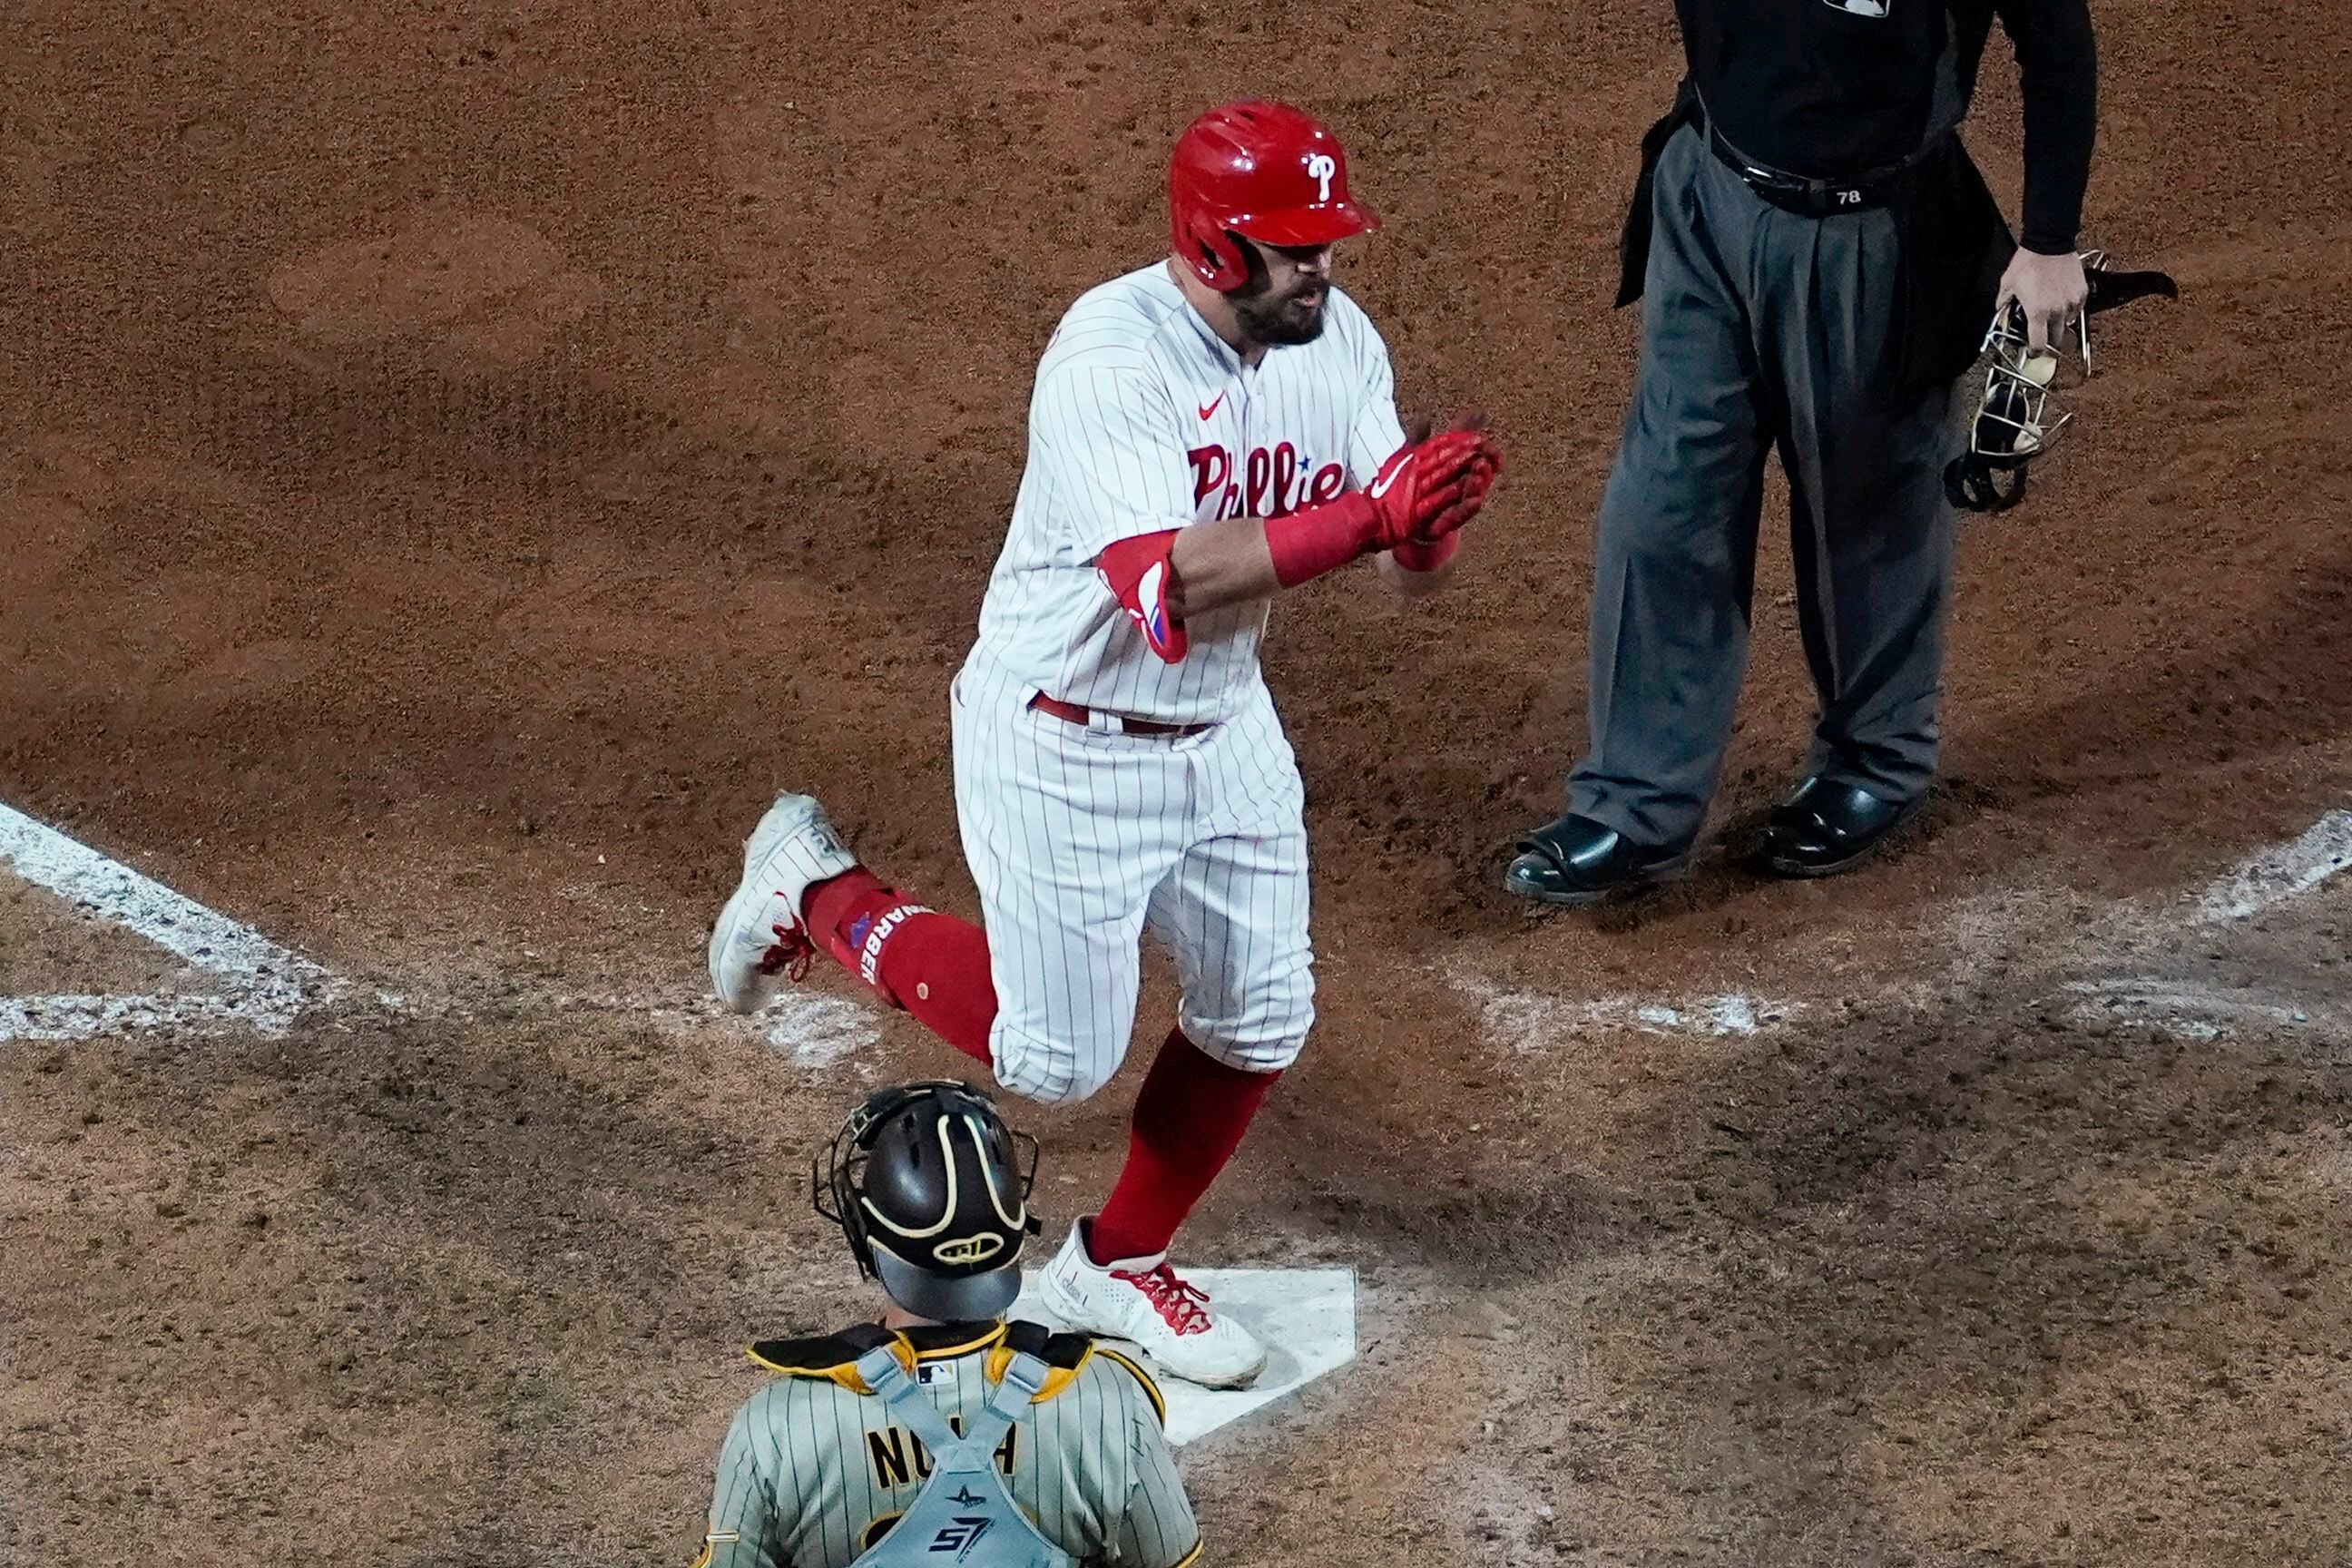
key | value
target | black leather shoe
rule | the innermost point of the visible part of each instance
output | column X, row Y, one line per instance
column 1823, row 828
column 1576, row 860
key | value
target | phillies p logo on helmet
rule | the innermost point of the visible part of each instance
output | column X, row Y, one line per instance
column 1263, row 171
column 1320, row 167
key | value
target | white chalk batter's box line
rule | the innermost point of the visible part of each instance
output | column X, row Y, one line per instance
column 1536, row 1022
column 264, row 986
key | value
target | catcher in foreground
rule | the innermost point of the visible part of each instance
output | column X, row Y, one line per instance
column 943, row 1434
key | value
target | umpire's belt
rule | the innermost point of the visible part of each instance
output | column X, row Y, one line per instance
column 1813, row 198
column 1071, row 714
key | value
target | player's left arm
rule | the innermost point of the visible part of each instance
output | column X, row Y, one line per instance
column 1155, row 1524
column 1375, row 435
column 1409, row 498
column 1156, row 1527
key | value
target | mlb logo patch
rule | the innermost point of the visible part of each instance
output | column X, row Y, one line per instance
column 1860, row 7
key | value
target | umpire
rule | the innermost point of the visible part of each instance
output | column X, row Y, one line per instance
column 943, row 1434
column 1820, row 259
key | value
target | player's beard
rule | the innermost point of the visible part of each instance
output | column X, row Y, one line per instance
column 1279, row 320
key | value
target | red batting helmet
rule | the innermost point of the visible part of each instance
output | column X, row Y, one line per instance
column 1265, row 170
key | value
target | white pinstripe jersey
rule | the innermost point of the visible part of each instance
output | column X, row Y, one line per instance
column 813, row 1471
column 1144, row 419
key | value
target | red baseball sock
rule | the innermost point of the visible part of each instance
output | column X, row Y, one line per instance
column 1188, row 1120
column 933, row 966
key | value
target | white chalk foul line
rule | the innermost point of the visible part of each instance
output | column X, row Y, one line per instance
column 81, row 1017
column 210, row 941
column 267, row 984
column 812, row 1029
column 1538, row 1020
column 2283, row 872
column 2182, row 1007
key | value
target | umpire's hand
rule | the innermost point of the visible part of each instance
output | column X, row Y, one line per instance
column 2049, row 289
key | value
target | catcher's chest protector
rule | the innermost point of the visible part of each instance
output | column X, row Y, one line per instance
column 964, row 1517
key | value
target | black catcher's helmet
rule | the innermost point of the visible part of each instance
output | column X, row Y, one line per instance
column 932, row 1190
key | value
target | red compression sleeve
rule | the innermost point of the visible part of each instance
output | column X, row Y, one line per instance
column 1318, row 539
column 1190, row 1117
column 1136, row 571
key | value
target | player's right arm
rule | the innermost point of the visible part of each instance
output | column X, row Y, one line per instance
column 743, row 1532
column 1158, row 1529
column 1419, row 498
column 1122, row 483
column 1155, row 1526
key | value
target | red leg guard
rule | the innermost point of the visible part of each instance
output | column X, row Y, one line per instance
column 1189, row 1118
column 934, row 966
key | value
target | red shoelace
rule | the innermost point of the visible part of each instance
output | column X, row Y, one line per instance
column 1183, row 1308
column 792, row 953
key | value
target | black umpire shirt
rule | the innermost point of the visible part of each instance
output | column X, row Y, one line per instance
column 1834, row 88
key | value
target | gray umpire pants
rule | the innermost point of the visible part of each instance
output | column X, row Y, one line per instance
column 1762, row 328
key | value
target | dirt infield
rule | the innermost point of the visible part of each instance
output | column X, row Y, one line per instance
column 457, row 460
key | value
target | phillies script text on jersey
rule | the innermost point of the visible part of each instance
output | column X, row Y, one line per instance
column 1273, row 484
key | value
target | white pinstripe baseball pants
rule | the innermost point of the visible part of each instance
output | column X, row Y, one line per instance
column 1082, row 837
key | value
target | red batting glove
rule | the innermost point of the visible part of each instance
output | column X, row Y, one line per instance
column 1419, row 485
column 1468, row 497
column 1426, row 490
column 1456, row 471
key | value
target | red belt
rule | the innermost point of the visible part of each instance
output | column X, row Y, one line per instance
column 1070, row 712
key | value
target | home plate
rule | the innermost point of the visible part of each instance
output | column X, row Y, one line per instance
column 1306, row 1318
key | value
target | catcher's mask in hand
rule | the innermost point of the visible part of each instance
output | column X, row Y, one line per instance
column 2017, row 410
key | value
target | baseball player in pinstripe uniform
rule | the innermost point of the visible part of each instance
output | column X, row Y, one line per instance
column 1205, row 432
column 944, row 1434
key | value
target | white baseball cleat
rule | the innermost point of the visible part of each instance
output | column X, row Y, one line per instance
column 761, row 940
column 1143, row 1300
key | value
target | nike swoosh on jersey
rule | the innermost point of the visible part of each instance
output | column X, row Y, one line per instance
column 1211, row 406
